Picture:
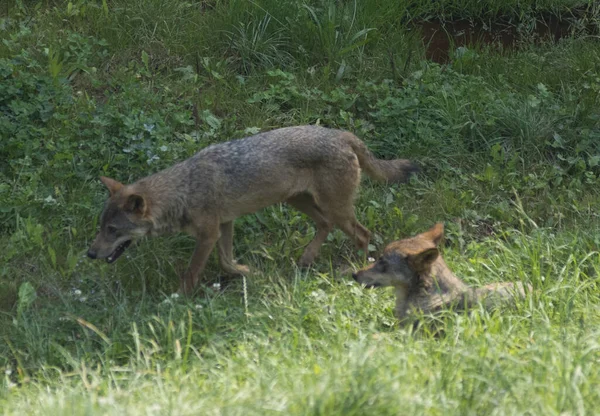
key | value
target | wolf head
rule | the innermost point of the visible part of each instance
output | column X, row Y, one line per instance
column 403, row 261
column 124, row 218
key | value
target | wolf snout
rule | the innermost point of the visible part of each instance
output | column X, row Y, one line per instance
column 355, row 276
column 92, row 254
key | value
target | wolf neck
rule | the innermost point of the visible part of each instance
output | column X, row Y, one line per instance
column 440, row 279
column 166, row 212
column 432, row 289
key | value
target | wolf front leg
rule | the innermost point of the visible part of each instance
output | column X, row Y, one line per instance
column 225, row 245
column 206, row 237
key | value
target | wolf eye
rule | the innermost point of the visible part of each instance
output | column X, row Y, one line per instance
column 111, row 229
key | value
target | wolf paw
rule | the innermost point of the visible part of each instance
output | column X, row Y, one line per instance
column 187, row 286
column 184, row 291
column 235, row 269
column 242, row 269
column 306, row 260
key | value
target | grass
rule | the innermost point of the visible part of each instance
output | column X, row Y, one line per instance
column 509, row 148
column 312, row 344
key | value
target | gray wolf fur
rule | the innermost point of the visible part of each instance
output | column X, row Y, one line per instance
column 312, row 168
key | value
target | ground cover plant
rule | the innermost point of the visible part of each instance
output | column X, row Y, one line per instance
column 508, row 138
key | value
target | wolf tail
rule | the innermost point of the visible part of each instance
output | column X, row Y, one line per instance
column 397, row 170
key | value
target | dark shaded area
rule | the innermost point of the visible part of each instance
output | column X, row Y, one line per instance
column 442, row 37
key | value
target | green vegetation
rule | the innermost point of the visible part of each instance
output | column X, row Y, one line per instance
column 509, row 144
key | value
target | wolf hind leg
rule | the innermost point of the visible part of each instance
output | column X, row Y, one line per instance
column 305, row 203
column 336, row 201
column 503, row 292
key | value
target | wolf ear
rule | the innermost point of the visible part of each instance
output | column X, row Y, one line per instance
column 112, row 185
column 136, row 204
column 422, row 261
column 435, row 233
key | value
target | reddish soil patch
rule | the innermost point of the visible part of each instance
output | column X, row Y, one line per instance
column 441, row 38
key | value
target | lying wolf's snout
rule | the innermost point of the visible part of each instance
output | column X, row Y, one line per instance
column 354, row 276
column 91, row 254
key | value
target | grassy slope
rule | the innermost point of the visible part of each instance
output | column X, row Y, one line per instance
column 509, row 150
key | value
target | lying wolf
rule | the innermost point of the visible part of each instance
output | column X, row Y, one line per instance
column 314, row 169
column 423, row 281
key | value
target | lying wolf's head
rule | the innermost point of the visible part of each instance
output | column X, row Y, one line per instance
column 403, row 261
column 124, row 218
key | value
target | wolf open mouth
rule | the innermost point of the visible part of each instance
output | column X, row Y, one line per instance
column 118, row 251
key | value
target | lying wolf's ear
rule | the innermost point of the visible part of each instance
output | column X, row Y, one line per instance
column 112, row 185
column 422, row 261
column 435, row 233
column 136, row 204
